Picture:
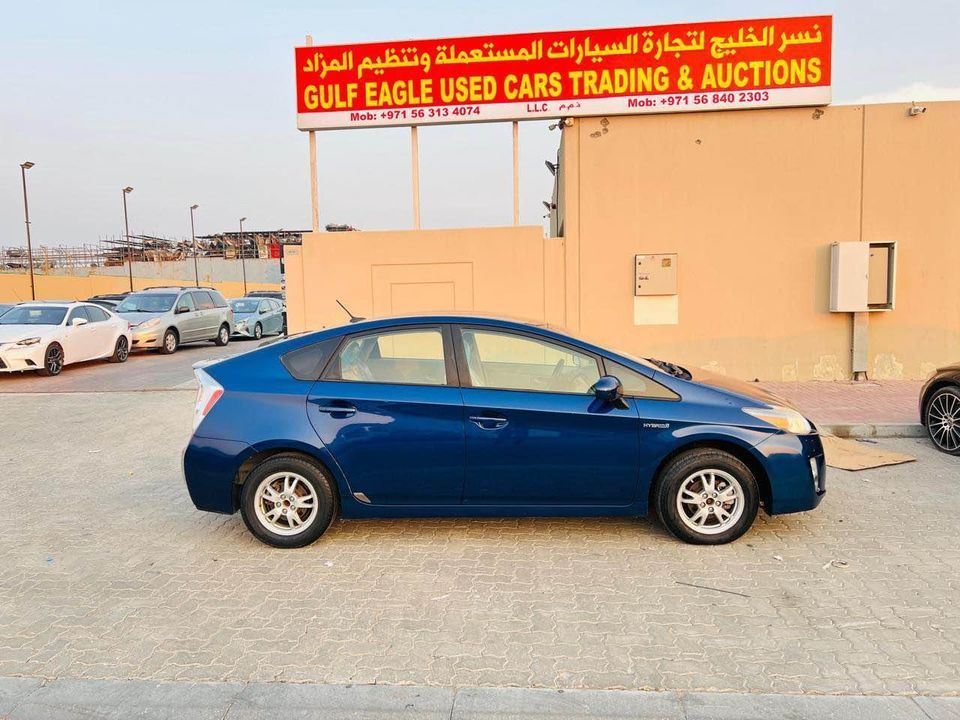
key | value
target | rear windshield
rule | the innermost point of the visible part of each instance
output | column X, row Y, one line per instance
column 245, row 306
column 33, row 315
column 146, row 303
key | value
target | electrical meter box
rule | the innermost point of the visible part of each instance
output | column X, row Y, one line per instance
column 655, row 274
column 862, row 276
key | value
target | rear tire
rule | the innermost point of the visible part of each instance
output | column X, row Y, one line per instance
column 942, row 420
column 121, row 352
column 52, row 361
column 170, row 342
column 223, row 335
column 707, row 496
column 288, row 501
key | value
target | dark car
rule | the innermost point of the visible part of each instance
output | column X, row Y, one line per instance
column 940, row 408
column 109, row 302
column 469, row 416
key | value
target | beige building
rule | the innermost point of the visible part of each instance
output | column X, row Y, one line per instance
column 740, row 209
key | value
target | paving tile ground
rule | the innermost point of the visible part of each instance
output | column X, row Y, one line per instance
column 107, row 571
column 886, row 401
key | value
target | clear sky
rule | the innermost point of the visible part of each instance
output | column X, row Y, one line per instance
column 193, row 102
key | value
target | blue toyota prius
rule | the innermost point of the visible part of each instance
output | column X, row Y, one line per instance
column 469, row 416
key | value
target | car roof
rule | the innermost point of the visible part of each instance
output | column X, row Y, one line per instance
column 452, row 317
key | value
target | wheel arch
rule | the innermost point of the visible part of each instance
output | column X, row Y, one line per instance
column 931, row 391
column 259, row 456
column 741, row 452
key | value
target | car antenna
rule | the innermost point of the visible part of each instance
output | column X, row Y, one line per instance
column 353, row 318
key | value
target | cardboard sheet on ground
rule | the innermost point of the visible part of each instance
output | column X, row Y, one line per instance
column 852, row 455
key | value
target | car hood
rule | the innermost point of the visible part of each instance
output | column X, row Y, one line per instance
column 15, row 333
column 135, row 318
column 754, row 391
column 243, row 316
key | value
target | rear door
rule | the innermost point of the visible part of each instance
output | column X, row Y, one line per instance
column 388, row 408
column 209, row 316
column 103, row 331
column 535, row 433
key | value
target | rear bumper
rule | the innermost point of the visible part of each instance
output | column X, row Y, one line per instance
column 790, row 461
column 210, row 468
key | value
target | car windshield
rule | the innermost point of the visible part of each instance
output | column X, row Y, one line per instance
column 245, row 306
column 33, row 315
column 146, row 303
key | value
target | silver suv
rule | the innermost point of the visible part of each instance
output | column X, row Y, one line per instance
column 163, row 318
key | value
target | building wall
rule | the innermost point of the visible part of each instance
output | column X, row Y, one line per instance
column 494, row 270
column 15, row 286
column 749, row 200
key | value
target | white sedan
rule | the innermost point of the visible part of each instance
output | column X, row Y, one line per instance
column 45, row 336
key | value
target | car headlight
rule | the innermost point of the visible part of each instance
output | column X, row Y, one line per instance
column 147, row 324
column 29, row 341
column 241, row 325
column 784, row 418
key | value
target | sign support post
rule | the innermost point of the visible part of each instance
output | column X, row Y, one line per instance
column 516, row 172
column 415, row 170
column 314, row 189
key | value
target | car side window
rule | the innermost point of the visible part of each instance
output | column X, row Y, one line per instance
column 264, row 306
column 186, row 300
column 407, row 357
column 510, row 361
column 203, row 300
column 78, row 312
column 307, row 363
column 96, row 314
column 637, row 384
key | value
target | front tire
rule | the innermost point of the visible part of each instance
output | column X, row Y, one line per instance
column 223, row 335
column 52, row 361
column 121, row 351
column 170, row 342
column 707, row 496
column 942, row 418
column 257, row 331
column 288, row 501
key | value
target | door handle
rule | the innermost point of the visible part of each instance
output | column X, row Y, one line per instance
column 486, row 422
column 344, row 409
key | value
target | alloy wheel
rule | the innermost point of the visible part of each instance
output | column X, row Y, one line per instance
column 123, row 350
column 710, row 501
column 54, row 360
column 943, row 421
column 286, row 503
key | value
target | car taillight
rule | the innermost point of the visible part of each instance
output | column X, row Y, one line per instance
column 207, row 395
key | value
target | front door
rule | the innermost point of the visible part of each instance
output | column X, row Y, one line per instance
column 190, row 322
column 81, row 340
column 389, row 411
column 535, row 433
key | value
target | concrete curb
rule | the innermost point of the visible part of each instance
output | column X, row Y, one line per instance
column 873, row 430
column 31, row 698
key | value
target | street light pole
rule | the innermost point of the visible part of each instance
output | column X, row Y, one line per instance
column 26, row 216
column 193, row 234
column 126, row 228
column 243, row 257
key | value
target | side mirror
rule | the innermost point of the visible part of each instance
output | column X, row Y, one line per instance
column 77, row 322
column 264, row 311
column 609, row 389
column 182, row 309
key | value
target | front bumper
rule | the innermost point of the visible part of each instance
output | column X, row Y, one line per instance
column 245, row 331
column 790, row 461
column 18, row 358
column 140, row 339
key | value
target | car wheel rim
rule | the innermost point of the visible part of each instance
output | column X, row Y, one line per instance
column 943, row 421
column 54, row 360
column 286, row 504
column 170, row 342
column 223, row 335
column 122, row 349
column 710, row 501
column 257, row 332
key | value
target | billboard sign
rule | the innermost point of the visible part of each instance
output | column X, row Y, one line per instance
column 667, row 68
